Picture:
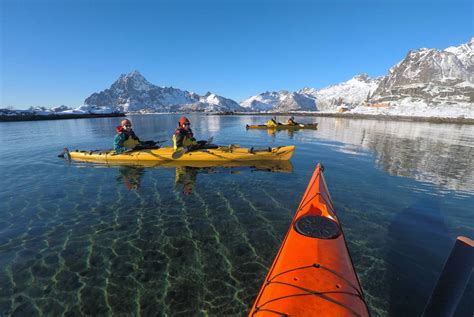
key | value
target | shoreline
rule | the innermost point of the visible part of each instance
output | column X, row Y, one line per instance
column 365, row 116
column 18, row 118
column 345, row 115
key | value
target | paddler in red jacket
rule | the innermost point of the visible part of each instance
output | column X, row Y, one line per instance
column 183, row 136
column 126, row 139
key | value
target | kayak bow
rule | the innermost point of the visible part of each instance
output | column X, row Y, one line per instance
column 312, row 274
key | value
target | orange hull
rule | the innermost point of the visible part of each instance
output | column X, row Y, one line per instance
column 312, row 274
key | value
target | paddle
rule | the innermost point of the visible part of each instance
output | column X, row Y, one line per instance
column 177, row 154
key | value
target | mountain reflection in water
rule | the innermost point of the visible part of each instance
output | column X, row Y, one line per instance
column 441, row 154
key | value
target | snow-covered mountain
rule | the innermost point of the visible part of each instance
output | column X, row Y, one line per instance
column 426, row 81
column 350, row 93
column 133, row 93
column 212, row 103
column 282, row 101
column 57, row 111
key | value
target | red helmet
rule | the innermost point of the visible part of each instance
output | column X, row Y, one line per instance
column 182, row 121
column 124, row 122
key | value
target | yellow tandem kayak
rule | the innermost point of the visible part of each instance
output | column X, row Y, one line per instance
column 311, row 126
column 220, row 154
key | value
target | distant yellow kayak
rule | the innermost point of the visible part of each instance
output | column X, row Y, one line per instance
column 312, row 126
column 221, row 154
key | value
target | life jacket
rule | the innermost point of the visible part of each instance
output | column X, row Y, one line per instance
column 291, row 122
column 271, row 123
column 187, row 138
column 131, row 140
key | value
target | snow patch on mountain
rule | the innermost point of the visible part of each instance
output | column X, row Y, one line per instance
column 263, row 102
column 349, row 94
column 213, row 103
column 281, row 101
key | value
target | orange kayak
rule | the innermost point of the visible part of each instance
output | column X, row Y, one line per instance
column 312, row 274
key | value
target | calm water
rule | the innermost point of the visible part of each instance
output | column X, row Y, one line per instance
column 80, row 239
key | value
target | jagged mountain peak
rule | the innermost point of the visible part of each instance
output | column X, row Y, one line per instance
column 430, row 75
column 361, row 77
column 133, row 80
column 133, row 93
column 134, row 73
column 465, row 53
column 469, row 45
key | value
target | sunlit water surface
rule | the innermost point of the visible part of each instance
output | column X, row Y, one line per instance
column 78, row 239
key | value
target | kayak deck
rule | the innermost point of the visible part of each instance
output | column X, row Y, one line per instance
column 312, row 274
column 220, row 154
column 312, row 126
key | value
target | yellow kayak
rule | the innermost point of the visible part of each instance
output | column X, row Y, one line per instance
column 311, row 126
column 232, row 153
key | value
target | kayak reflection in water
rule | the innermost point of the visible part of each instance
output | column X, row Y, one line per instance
column 130, row 176
column 186, row 178
column 273, row 132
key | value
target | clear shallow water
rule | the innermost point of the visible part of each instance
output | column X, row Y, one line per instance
column 79, row 239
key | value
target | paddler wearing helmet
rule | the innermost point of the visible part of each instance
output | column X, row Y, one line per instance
column 272, row 123
column 183, row 136
column 126, row 139
column 291, row 121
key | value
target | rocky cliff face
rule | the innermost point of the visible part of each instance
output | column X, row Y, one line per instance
column 133, row 93
column 431, row 76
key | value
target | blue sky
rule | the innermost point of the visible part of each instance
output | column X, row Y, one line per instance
column 57, row 52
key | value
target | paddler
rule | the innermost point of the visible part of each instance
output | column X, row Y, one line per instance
column 272, row 123
column 184, row 141
column 126, row 139
column 183, row 136
column 291, row 121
